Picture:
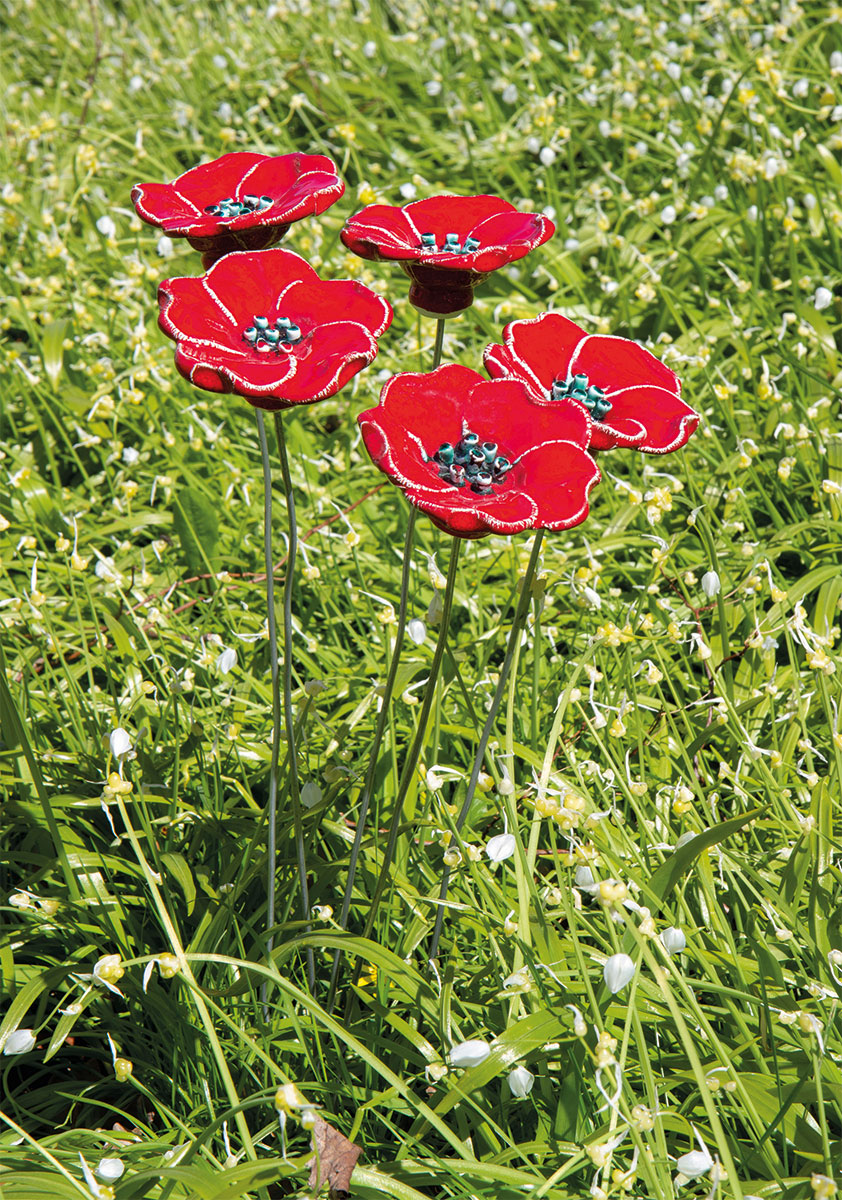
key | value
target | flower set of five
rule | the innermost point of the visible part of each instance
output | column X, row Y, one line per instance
column 500, row 453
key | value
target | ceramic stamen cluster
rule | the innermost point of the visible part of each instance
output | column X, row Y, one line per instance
column 229, row 208
column 264, row 336
column 472, row 462
column 592, row 398
column 450, row 245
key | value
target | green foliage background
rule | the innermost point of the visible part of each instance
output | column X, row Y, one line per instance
column 690, row 156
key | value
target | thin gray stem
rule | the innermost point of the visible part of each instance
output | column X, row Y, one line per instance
column 514, row 634
column 381, row 723
column 408, row 773
column 382, row 718
column 272, row 821
column 289, row 722
column 439, row 346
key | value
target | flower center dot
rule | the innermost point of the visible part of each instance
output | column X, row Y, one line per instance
column 228, row 208
column 588, row 395
column 450, row 245
column 472, row 463
column 264, row 337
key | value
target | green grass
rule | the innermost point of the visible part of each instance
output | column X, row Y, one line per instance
column 110, row 614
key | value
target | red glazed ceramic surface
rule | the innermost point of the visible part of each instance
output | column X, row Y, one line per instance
column 316, row 335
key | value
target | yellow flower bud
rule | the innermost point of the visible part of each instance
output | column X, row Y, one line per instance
column 289, row 1100
column 122, row 1069
column 109, row 968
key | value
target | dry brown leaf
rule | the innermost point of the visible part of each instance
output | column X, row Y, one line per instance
column 334, row 1158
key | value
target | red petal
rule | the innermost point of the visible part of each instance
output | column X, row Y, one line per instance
column 322, row 303
column 495, row 359
column 400, row 454
column 541, row 349
column 300, row 184
column 454, row 214
column 469, row 515
column 216, row 372
column 502, row 409
column 328, row 359
column 190, row 310
column 508, row 237
column 559, row 476
column 217, row 180
column 607, row 434
column 278, row 173
column 613, row 363
column 381, row 231
column 160, row 204
column 501, row 364
column 238, row 287
column 667, row 421
column 252, row 281
column 422, row 410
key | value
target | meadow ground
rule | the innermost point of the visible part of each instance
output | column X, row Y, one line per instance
column 660, row 743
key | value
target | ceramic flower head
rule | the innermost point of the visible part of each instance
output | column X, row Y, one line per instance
column 481, row 456
column 241, row 201
column 264, row 325
column 446, row 244
column 631, row 396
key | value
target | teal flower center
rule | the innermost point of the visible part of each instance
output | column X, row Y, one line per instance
column 228, row 209
column 450, row 245
column 264, row 337
column 472, row 463
column 588, row 395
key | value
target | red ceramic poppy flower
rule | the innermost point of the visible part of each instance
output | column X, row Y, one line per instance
column 446, row 244
column 480, row 456
column 241, row 201
column 633, row 398
column 264, row 325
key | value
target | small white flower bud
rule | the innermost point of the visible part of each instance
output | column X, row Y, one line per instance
column 697, row 1162
column 673, row 940
column 520, row 1082
column 120, row 743
column 584, row 880
column 617, row 972
column 416, row 631
column 19, row 1042
column 711, row 585
column 500, row 847
column 505, row 787
column 109, row 1169
column 435, row 609
column 470, row 1053
column 226, row 661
